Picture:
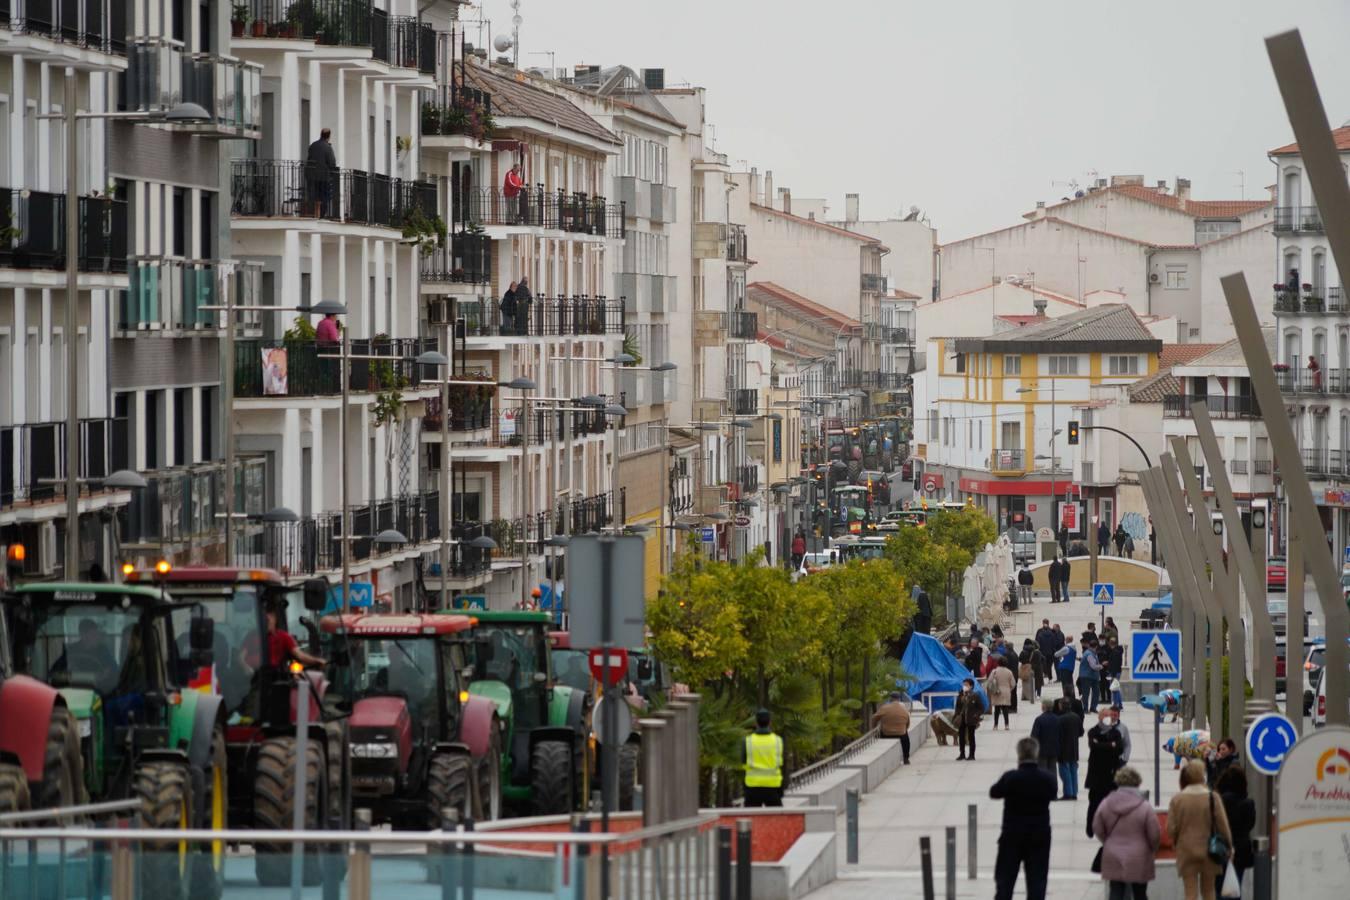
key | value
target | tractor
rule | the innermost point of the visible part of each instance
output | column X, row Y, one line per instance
column 108, row 650
column 544, row 751
column 421, row 743
column 258, row 697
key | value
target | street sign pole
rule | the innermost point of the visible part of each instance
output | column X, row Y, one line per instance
column 1185, row 589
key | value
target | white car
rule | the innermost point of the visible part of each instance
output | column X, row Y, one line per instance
column 1319, row 709
column 813, row 561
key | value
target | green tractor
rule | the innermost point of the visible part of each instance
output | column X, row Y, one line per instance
column 109, row 650
column 544, row 753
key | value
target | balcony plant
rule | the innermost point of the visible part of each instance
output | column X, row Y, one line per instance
column 431, row 118
column 238, row 19
column 426, row 232
column 630, row 346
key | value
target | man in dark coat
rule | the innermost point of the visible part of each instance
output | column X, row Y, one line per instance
column 1045, row 641
column 923, row 619
column 320, row 172
column 1064, row 570
column 1103, row 538
column 523, row 300
column 1024, row 842
column 1063, row 537
column 1070, row 730
column 1052, row 573
column 1045, row 729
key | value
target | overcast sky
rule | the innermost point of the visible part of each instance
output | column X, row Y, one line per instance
column 971, row 110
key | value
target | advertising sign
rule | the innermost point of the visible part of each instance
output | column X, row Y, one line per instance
column 276, row 382
column 1068, row 516
column 1314, row 815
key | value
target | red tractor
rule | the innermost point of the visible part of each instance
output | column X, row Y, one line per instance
column 421, row 743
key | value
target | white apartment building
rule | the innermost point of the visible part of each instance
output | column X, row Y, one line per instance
column 1310, row 306
column 911, row 266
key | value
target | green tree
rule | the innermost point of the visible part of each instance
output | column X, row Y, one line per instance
column 970, row 529
column 695, row 622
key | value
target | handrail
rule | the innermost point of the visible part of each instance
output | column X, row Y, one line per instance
column 830, row 763
column 62, row 812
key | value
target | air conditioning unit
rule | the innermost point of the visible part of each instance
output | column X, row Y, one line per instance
column 438, row 312
column 1153, row 278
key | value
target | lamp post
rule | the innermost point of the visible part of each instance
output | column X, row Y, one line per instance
column 183, row 113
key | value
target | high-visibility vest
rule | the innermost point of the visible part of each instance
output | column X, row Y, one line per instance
column 763, row 760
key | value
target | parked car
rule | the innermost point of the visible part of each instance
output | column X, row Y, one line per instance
column 1319, row 707
column 1023, row 545
column 813, row 562
column 1281, row 665
column 1275, row 574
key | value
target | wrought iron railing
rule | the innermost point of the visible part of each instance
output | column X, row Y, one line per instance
column 277, row 187
column 1011, row 460
column 91, row 24
column 542, row 317
column 744, row 402
column 32, row 455
column 457, row 110
column 1238, row 406
column 536, row 207
column 1298, row 218
column 467, row 260
column 333, row 22
column 741, row 324
column 33, row 231
column 304, row 368
column 738, row 245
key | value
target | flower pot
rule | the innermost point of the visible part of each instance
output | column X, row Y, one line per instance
column 236, row 28
column 259, row 29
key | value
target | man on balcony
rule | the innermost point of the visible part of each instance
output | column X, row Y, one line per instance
column 523, row 300
column 512, row 189
column 320, row 170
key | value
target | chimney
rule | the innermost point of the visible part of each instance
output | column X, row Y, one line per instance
column 768, row 188
column 1040, row 210
column 1183, row 188
column 1039, row 304
column 850, row 208
column 754, row 185
column 1162, row 186
column 785, row 200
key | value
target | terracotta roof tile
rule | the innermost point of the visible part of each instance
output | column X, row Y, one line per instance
column 1162, row 383
column 1340, row 135
column 512, row 97
column 1116, row 325
column 1198, row 209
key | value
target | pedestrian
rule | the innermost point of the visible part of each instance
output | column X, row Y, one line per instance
column 975, row 658
column 1053, row 575
column 1024, row 841
column 1103, row 538
column 320, row 170
column 1109, row 629
column 1121, row 536
column 1192, row 816
column 923, row 619
column 1070, row 730
column 762, row 756
column 1064, row 569
column 1010, row 664
column 1063, row 537
column 999, row 685
column 799, row 551
column 1113, row 662
column 523, row 300
column 1045, row 730
column 1065, row 658
column 1045, row 642
column 1089, row 633
column 1104, row 748
column 508, row 308
column 1218, row 761
column 1129, row 546
column 1128, row 829
column 969, row 709
column 1028, row 668
column 1024, row 581
column 954, row 649
column 1124, row 736
column 1241, row 811
column 892, row 721
column 1089, row 675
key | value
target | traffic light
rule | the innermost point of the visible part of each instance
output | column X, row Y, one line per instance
column 1073, row 432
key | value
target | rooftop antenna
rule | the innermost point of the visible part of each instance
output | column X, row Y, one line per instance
column 515, row 33
column 1242, row 184
column 552, row 61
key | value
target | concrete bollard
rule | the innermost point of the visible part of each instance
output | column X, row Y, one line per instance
column 851, row 819
column 654, row 776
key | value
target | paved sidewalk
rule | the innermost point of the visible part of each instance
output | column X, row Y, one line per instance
column 935, row 792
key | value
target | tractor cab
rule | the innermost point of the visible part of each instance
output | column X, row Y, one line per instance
column 404, row 679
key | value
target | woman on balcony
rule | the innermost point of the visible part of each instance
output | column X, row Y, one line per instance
column 1314, row 373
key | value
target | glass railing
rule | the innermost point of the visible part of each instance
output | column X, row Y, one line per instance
column 167, row 293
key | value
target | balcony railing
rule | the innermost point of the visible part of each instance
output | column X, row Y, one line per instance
column 744, row 402
column 470, row 409
column 1317, row 460
column 588, row 514
column 738, row 247
column 1237, row 466
column 1315, row 301
column 467, row 260
column 741, row 325
column 1261, row 467
column 748, row 478
column 463, row 560
column 334, row 22
column 275, row 187
column 400, row 41
column 1012, row 460
column 169, row 293
column 30, row 454
column 186, row 505
column 91, row 24
column 314, row 544
column 458, row 110
column 870, row 381
column 896, row 336
column 536, row 207
column 873, row 283
column 1306, row 381
column 542, row 317
column 306, row 369
column 160, row 75
column 33, row 231
column 1239, row 406
column 1298, row 218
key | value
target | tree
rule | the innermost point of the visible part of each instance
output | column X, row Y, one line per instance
column 695, row 622
column 970, row 529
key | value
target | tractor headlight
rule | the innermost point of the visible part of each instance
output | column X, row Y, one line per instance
column 374, row 751
column 86, row 728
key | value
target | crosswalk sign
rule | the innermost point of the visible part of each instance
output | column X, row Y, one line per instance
column 1104, row 593
column 1155, row 655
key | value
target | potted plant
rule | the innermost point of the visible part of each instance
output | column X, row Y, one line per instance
column 431, row 118
column 238, row 19
column 259, row 28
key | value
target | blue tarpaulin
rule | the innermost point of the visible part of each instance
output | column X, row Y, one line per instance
column 931, row 667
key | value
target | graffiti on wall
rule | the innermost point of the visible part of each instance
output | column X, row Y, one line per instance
column 1135, row 525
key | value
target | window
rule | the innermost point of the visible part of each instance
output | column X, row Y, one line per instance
column 1009, row 435
column 960, row 362
column 1012, row 365
column 1063, row 365
column 1210, row 230
column 1123, row 365
column 1176, row 278
column 932, row 424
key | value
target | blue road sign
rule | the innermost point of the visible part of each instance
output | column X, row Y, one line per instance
column 360, row 594
column 1155, row 655
column 1269, row 737
column 1104, row 593
column 707, row 535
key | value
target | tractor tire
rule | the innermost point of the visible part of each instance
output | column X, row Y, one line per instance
column 13, row 789
column 165, row 792
column 854, row 470
column 62, row 765
column 489, row 797
column 550, row 778
column 208, row 862
column 629, row 754
column 449, row 786
column 274, row 799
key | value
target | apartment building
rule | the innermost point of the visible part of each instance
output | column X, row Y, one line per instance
column 1313, row 337
column 997, row 407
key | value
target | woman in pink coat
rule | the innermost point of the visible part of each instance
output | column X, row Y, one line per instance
column 1127, row 826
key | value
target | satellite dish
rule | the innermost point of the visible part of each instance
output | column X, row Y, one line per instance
column 502, row 43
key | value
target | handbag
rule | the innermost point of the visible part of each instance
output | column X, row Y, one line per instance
column 1231, row 888
column 1218, row 848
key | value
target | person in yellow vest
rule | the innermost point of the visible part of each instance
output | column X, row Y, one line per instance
column 763, row 752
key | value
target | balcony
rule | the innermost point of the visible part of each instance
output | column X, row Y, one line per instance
column 873, row 284
column 463, row 560
column 30, row 454
column 539, row 208
column 295, row 369
column 458, row 111
column 183, row 507
column 1262, row 467
column 748, row 479
column 160, row 75
column 738, row 248
column 33, row 232
column 545, row 317
column 403, row 42
column 1237, row 466
column 289, row 188
column 471, row 409
column 1013, row 461
column 741, row 325
column 589, row 514
column 313, row 545
column 744, row 402
column 1311, row 301
column 467, row 260
column 1297, row 218
column 343, row 23
column 1317, row 461
column 99, row 25
column 1318, row 383
column 896, row 336
column 870, row 381
column 167, row 293
column 1239, row 406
